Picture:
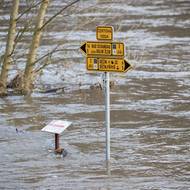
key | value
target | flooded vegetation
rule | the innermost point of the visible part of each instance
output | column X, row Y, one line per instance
column 150, row 105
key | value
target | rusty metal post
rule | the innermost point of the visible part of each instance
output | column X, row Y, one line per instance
column 56, row 141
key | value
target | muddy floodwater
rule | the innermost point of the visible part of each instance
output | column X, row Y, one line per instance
column 150, row 104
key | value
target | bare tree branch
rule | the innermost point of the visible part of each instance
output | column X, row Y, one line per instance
column 44, row 65
column 58, row 13
column 47, row 54
column 20, row 34
column 28, row 10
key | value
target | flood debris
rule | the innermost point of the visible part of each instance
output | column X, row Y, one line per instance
column 61, row 151
column 15, row 86
column 98, row 85
column 53, row 90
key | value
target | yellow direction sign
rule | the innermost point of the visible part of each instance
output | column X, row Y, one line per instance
column 103, row 48
column 104, row 33
column 107, row 64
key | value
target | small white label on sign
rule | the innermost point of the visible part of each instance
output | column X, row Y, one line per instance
column 95, row 64
column 114, row 49
column 56, row 126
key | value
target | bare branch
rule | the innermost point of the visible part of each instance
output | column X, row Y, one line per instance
column 28, row 10
column 47, row 62
column 58, row 13
column 20, row 35
column 47, row 54
column 44, row 65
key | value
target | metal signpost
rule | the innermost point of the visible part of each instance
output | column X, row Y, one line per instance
column 107, row 56
column 107, row 114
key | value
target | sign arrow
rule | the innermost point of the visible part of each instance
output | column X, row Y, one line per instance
column 127, row 66
column 83, row 48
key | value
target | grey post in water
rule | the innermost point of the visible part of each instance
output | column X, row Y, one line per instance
column 107, row 114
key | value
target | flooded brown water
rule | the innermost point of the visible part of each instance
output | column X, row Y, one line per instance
column 150, row 105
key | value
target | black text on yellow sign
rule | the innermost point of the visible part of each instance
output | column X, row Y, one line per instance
column 104, row 33
column 107, row 64
column 103, row 48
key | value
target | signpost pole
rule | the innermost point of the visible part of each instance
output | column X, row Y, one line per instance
column 56, row 141
column 107, row 115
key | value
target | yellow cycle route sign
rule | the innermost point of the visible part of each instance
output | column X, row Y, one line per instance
column 96, row 48
column 107, row 64
column 104, row 33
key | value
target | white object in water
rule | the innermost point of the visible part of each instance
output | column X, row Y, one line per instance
column 56, row 126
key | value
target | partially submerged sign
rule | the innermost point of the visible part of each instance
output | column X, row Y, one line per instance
column 56, row 126
column 104, row 33
column 92, row 48
column 107, row 56
column 107, row 64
